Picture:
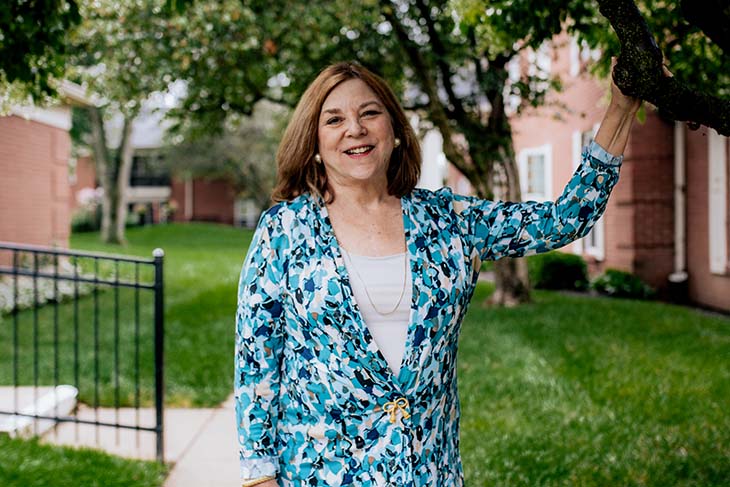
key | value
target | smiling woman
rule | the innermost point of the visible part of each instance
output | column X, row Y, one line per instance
column 313, row 124
column 353, row 291
column 355, row 137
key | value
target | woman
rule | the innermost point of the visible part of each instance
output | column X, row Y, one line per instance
column 355, row 285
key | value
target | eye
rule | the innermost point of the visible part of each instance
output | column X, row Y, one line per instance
column 371, row 113
column 333, row 120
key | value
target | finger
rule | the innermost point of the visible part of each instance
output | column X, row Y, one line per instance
column 666, row 71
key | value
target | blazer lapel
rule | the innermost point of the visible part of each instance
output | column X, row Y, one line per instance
column 361, row 346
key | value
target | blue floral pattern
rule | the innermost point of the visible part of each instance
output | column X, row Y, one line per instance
column 316, row 402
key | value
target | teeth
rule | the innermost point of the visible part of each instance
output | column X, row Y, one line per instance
column 360, row 150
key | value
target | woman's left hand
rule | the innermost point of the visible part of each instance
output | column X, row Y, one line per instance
column 623, row 102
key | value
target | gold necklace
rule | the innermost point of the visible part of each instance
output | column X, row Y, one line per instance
column 365, row 287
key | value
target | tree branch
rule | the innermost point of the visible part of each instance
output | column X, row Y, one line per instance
column 639, row 72
column 713, row 17
column 436, row 109
column 440, row 51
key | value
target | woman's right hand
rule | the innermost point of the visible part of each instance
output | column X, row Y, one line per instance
column 268, row 483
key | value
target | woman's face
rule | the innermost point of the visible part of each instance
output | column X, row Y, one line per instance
column 355, row 135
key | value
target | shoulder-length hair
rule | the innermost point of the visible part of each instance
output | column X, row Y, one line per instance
column 298, row 172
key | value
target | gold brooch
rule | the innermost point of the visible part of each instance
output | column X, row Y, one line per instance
column 393, row 406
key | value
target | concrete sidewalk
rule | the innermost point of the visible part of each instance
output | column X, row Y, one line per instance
column 211, row 458
column 199, row 443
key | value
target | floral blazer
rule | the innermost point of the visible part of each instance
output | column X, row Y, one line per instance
column 316, row 403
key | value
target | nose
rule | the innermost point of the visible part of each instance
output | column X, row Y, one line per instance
column 355, row 128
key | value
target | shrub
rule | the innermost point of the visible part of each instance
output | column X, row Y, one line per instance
column 558, row 270
column 621, row 284
column 85, row 220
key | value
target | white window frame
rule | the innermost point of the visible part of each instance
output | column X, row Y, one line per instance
column 596, row 249
column 546, row 151
column 577, row 245
column 717, row 202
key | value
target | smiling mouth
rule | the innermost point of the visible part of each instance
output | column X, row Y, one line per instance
column 357, row 151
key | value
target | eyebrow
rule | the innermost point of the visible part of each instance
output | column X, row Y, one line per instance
column 337, row 110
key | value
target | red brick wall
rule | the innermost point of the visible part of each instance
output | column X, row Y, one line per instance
column 650, row 161
column 213, row 201
column 579, row 107
column 34, row 189
column 704, row 287
column 177, row 194
column 85, row 178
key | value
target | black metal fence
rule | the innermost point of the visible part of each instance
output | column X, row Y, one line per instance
column 81, row 324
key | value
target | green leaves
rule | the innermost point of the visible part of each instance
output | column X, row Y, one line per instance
column 33, row 42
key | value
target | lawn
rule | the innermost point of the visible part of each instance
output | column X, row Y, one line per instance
column 594, row 392
column 202, row 264
column 30, row 464
column 568, row 390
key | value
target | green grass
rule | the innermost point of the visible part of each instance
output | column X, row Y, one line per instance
column 594, row 392
column 30, row 464
column 202, row 264
column 566, row 391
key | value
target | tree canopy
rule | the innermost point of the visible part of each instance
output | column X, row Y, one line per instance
column 34, row 40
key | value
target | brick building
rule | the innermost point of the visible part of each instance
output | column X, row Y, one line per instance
column 667, row 220
column 152, row 188
column 35, row 149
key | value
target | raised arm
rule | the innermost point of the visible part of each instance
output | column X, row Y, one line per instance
column 616, row 125
column 259, row 344
column 513, row 229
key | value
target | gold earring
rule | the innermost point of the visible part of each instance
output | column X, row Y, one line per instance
column 318, row 158
column 396, row 142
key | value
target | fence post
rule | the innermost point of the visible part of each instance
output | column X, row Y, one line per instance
column 159, row 256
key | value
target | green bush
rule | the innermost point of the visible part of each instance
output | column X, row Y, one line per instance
column 133, row 220
column 85, row 220
column 621, row 284
column 558, row 270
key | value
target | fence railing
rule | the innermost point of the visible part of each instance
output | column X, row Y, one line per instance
column 81, row 341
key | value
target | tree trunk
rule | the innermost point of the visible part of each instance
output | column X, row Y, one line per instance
column 511, row 280
column 124, row 156
column 113, row 173
column 107, row 174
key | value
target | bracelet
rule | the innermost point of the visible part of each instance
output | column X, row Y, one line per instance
column 257, row 480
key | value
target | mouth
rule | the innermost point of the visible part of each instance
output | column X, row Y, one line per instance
column 360, row 150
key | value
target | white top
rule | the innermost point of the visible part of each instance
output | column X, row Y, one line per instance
column 383, row 277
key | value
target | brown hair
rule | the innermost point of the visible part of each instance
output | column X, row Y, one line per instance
column 297, row 170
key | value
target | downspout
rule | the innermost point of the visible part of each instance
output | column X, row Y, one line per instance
column 678, row 279
column 188, row 198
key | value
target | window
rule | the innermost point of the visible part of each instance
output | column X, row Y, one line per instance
column 594, row 243
column 535, row 166
column 717, row 202
column 149, row 169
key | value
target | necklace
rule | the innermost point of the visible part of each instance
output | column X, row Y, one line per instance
column 365, row 287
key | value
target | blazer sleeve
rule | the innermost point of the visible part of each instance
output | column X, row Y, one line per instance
column 496, row 229
column 258, row 352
